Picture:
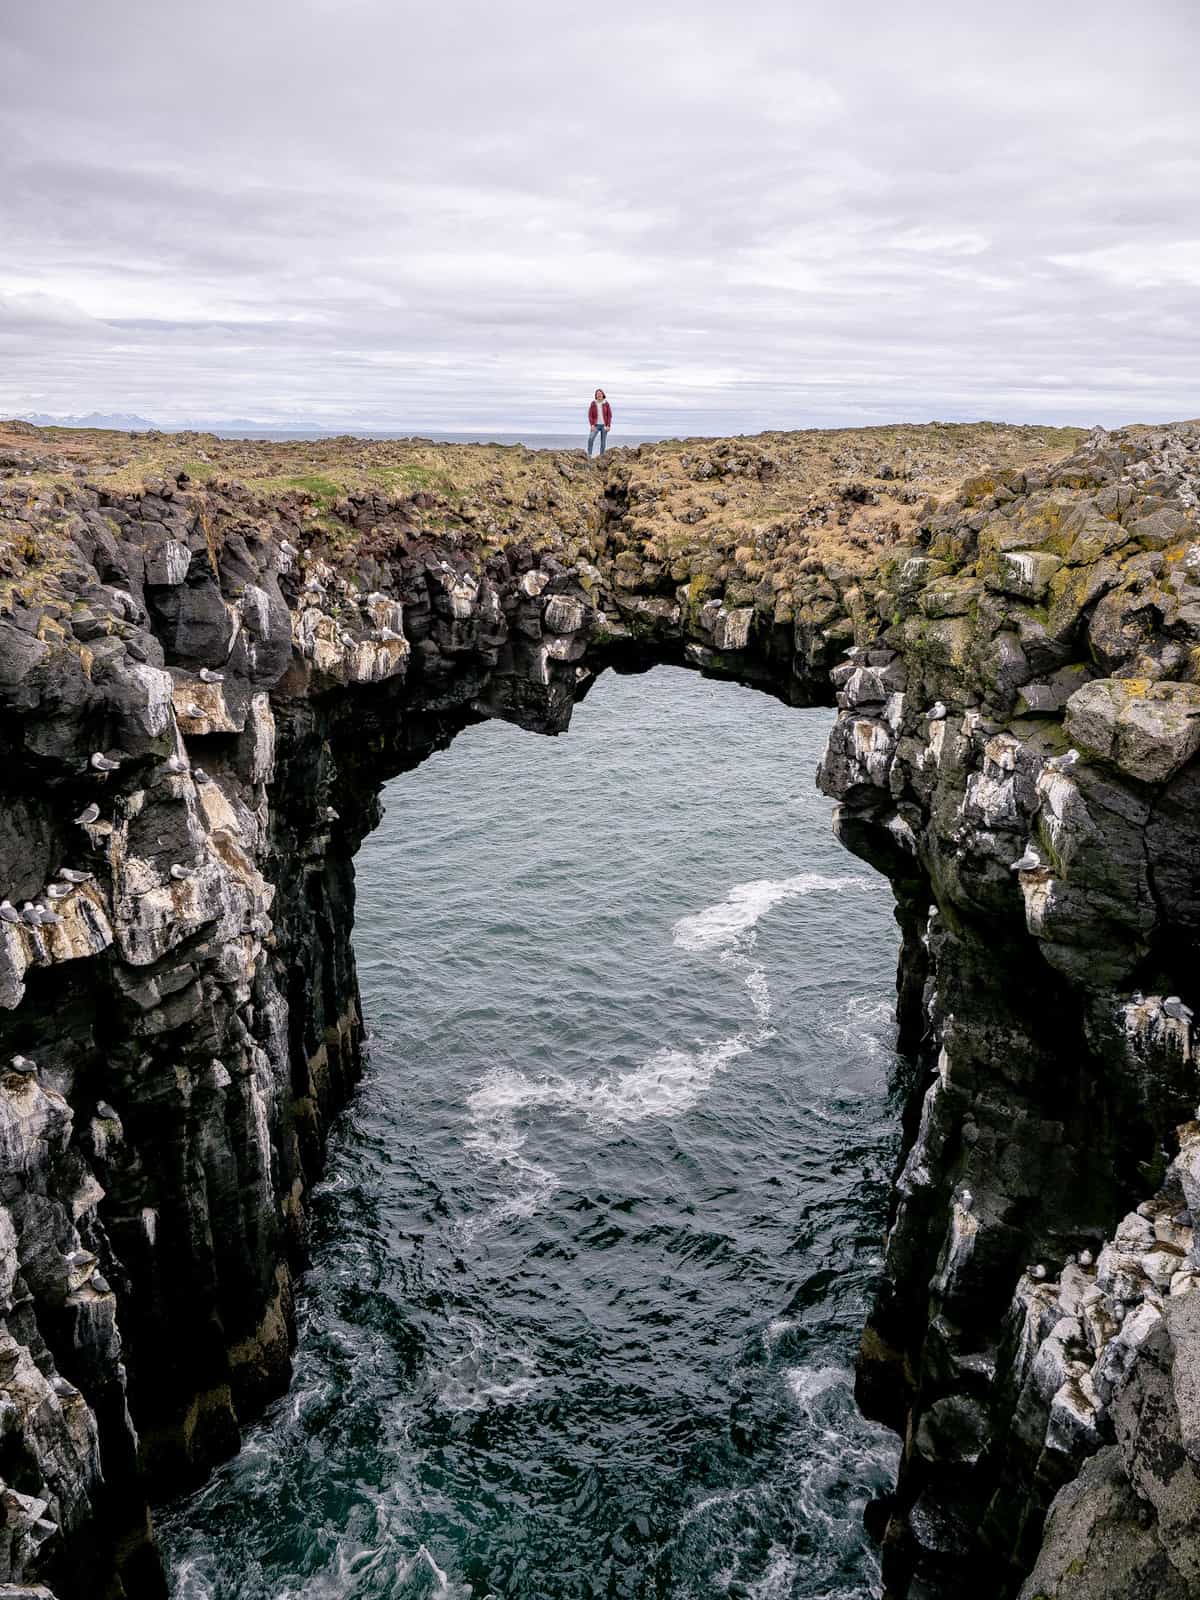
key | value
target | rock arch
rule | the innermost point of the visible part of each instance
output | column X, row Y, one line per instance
column 194, row 1030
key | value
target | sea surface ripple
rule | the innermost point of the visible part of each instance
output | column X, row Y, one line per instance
column 600, row 1228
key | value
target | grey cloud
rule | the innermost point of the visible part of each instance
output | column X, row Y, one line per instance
column 770, row 216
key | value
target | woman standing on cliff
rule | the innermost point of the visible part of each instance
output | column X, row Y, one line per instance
column 599, row 420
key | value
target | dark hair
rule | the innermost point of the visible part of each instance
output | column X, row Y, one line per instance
column 601, row 393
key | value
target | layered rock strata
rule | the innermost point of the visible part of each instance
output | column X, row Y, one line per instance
column 179, row 1025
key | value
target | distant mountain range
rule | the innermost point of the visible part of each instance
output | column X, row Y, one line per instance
column 123, row 421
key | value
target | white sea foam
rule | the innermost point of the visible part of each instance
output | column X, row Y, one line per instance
column 807, row 1384
column 775, row 1330
column 374, row 1555
column 780, row 1575
column 866, row 1025
column 718, row 926
column 667, row 1083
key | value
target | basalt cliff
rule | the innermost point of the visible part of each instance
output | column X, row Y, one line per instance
column 212, row 656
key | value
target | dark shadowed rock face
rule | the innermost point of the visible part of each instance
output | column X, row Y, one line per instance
column 174, row 1042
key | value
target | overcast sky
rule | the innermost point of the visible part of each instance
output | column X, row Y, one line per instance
column 732, row 216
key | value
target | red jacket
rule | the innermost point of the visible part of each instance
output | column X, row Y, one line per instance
column 594, row 415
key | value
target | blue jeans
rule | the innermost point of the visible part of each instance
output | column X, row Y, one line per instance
column 603, row 432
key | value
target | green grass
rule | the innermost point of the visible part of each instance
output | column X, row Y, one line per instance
column 412, row 476
column 324, row 491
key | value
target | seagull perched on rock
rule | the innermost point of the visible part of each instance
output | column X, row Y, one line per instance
column 60, row 891
column 1174, row 1007
column 103, row 763
column 29, row 914
column 9, row 912
column 1028, row 862
column 73, row 875
column 1085, row 1258
column 179, row 873
column 328, row 814
column 46, row 917
column 966, row 1199
column 100, row 1283
column 1038, row 1272
column 176, row 764
column 936, row 712
column 88, row 815
column 23, row 1065
column 197, row 713
column 207, row 675
column 103, row 1109
column 1063, row 763
column 200, row 775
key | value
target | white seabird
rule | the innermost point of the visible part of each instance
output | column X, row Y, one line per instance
column 103, row 763
column 179, row 873
column 73, row 875
column 200, row 776
column 9, row 912
column 1028, row 862
column 197, row 713
column 176, row 764
column 936, row 712
column 24, row 1065
column 1174, row 1007
column 29, row 914
column 207, row 675
column 88, row 815
column 60, row 891
column 45, row 916
column 1063, row 763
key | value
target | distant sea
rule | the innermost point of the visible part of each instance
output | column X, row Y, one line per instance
column 530, row 438
column 532, row 441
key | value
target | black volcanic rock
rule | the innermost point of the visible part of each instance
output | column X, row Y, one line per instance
column 195, row 1032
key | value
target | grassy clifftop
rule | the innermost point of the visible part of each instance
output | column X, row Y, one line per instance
column 774, row 495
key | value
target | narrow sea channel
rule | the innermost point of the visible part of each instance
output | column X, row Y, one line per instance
column 599, row 1230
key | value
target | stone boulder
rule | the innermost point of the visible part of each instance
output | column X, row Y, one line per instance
column 1147, row 730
